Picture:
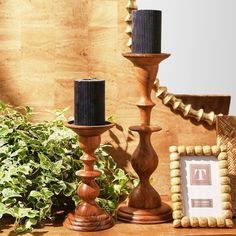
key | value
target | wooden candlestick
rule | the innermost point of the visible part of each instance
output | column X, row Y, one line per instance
column 88, row 216
column 145, row 205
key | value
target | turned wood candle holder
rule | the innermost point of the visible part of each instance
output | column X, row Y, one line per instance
column 88, row 216
column 145, row 205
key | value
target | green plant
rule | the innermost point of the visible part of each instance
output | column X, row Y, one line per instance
column 37, row 170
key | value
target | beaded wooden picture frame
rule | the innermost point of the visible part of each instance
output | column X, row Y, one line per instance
column 200, row 186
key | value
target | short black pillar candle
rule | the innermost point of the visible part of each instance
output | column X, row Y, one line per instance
column 146, row 31
column 89, row 101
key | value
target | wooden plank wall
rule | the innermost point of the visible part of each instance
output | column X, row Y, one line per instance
column 46, row 44
column 43, row 49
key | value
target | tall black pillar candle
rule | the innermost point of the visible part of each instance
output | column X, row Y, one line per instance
column 89, row 101
column 146, row 31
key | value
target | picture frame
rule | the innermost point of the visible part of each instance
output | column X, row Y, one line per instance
column 200, row 186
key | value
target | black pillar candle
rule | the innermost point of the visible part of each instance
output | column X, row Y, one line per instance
column 89, row 102
column 146, row 31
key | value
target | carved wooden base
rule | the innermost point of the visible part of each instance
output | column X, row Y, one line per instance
column 145, row 216
column 86, row 224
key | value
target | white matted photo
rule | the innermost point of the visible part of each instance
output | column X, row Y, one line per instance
column 201, row 189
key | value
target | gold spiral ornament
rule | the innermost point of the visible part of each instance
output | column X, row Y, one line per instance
column 177, row 104
column 131, row 6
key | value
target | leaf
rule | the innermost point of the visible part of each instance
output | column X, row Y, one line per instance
column 9, row 193
column 27, row 226
column 76, row 199
column 30, row 222
column 21, row 229
column 70, row 188
column 111, row 163
column 117, row 188
column 12, row 170
column 111, row 204
column 9, row 201
column 57, row 188
column 136, row 182
column 45, row 163
column 119, row 174
column 13, row 154
column 3, row 210
column 4, row 130
column 29, row 109
column 35, row 194
column 41, row 205
column 58, row 166
column 25, row 169
column 32, row 214
column 2, row 142
column 20, row 212
column 111, row 118
column 47, row 193
column 2, row 106
column 44, row 209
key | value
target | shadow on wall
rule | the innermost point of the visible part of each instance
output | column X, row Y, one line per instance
column 6, row 90
column 10, row 53
column 116, row 150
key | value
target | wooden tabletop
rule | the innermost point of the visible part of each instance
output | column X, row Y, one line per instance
column 125, row 229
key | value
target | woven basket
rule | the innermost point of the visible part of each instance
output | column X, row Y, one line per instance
column 226, row 135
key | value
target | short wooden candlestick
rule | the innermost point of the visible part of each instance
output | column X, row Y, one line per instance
column 145, row 205
column 88, row 216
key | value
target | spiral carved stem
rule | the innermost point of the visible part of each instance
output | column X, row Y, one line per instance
column 145, row 204
column 169, row 99
column 88, row 216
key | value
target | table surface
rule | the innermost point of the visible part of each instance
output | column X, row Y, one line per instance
column 125, row 229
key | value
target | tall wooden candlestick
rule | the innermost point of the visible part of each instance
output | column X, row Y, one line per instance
column 88, row 216
column 145, row 205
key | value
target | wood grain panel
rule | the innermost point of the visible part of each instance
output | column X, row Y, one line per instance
column 103, row 13
column 71, row 56
column 37, row 12
column 42, row 42
column 67, row 87
column 38, row 50
column 71, row 14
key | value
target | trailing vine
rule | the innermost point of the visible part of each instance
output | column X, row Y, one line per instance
column 38, row 162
